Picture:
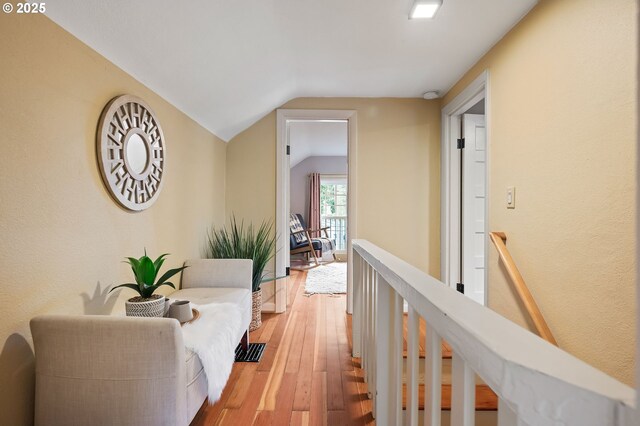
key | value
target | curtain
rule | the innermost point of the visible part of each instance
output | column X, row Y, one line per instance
column 314, row 202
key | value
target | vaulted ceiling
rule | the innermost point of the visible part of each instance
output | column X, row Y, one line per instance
column 227, row 63
column 317, row 139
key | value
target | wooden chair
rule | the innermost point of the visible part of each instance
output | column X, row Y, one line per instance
column 301, row 241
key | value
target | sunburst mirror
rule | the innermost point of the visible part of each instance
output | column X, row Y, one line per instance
column 131, row 152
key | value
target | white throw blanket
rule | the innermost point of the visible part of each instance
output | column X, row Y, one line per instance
column 213, row 338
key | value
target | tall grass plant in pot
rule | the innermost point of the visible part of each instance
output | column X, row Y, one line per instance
column 245, row 242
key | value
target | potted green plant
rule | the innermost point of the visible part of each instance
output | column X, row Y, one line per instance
column 145, row 272
column 240, row 242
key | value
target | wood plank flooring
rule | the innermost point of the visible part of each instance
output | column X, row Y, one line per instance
column 306, row 375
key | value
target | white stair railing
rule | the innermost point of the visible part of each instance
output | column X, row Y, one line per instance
column 536, row 382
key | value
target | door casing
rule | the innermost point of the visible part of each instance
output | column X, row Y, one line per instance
column 283, row 117
column 450, row 178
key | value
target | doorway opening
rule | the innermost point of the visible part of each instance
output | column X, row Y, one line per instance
column 465, row 196
column 318, row 161
column 318, row 142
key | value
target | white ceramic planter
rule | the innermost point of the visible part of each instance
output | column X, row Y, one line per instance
column 149, row 308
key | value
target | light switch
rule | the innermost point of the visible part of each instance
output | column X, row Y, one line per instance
column 511, row 197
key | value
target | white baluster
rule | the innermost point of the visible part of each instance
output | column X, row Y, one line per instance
column 363, row 303
column 365, row 318
column 384, row 398
column 397, row 359
column 433, row 379
column 506, row 416
column 413, row 368
column 369, row 342
column 463, row 393
column 367, row 323
column 374, row 325
column 356, row 317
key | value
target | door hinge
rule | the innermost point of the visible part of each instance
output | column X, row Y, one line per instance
column 461, row 143
column 288, row 271
column 460, row 287
column 288, row 149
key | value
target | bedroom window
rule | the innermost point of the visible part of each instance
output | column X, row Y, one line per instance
column 333, row 208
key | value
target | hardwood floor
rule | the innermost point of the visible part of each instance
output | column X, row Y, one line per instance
column 306, row 375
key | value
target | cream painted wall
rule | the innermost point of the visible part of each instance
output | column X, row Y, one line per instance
column 563, row 132
column 398, row 174
column 63, row 238
column 251, row 182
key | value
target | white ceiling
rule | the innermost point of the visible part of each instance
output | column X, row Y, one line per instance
column 227, row 63
column 317, row 139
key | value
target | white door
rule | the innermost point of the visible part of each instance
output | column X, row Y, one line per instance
column 473, row 206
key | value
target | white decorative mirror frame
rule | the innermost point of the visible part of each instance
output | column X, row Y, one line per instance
column 131, row 152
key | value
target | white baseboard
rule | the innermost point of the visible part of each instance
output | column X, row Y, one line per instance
column 269, row 307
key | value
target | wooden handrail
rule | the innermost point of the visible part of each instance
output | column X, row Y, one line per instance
column 530, row 304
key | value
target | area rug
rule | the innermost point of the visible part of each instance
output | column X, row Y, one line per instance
column 327, row 279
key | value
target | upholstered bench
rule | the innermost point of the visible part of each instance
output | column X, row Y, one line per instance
column 116, row 370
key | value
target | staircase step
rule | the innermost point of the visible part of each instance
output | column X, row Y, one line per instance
column 422, row 333
column 486, row 399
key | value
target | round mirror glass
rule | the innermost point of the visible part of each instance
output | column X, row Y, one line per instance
column 137, row 153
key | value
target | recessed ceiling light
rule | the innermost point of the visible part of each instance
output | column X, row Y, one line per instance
column 433, row 94
column 424, row 8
